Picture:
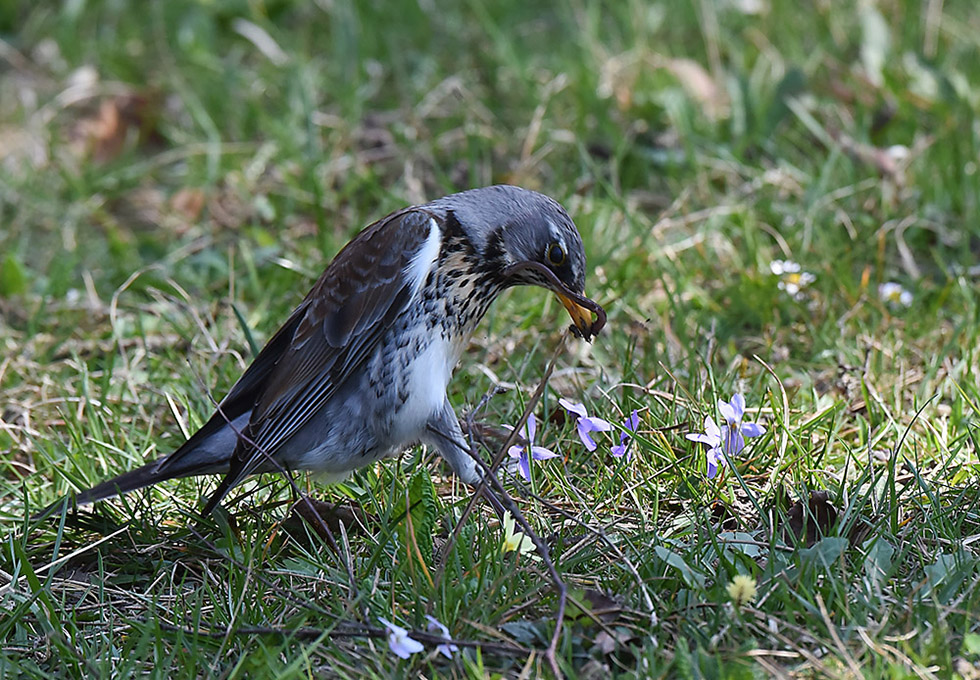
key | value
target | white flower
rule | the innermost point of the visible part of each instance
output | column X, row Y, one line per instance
column 894, row 294
column 792, row 278
column 399, row 641
column 780, row 267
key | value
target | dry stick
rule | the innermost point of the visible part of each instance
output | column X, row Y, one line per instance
column 599, row 533
column 542, row 550
column 346, row 630
column 342, row 628
column 488, row 470
column 504, row 499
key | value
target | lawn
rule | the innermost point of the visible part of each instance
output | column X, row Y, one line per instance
column 778, row 200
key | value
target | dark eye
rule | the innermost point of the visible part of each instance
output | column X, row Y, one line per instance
column 556, row 255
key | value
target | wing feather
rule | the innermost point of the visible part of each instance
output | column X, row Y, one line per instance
column 335, row 329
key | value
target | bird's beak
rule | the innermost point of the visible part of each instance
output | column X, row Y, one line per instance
column 581, row 316
column 579, row 307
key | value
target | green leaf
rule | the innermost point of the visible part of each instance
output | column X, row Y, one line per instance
column 527, row 632
column 971, row 645
column 420, row 515
column 13, row 277
column 825, row 551
column 740, row 542
column 878, row 560
column 691, row 577
column 940, row 573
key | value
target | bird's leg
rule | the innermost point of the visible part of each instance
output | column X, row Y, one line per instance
column 443, row 432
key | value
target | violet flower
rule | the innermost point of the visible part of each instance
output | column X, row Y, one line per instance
column 728, row 440
column 735, row 431
column 712, row 438
column 524, row 453
column 626, row 436
column 446, row 648
column 585, row 424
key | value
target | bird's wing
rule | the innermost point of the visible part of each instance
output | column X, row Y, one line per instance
column 333, row 331
column 242, row 396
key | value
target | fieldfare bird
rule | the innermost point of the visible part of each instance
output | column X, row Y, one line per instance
column 359, row 371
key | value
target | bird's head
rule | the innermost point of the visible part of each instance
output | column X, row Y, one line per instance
column 527, row 238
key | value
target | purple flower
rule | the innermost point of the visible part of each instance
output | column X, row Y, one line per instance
column 399, row 642
column 711, row 437
column 626, row 436
column 585, row 423
column 735, row 431
column 525, row 453
column 446, row 648
column 728, row 440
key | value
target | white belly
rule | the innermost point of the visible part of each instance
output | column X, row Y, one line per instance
column 426, row 378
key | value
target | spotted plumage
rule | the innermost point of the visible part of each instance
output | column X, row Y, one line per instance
column 360, row 369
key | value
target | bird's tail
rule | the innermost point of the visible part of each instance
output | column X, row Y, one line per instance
column 130, row 481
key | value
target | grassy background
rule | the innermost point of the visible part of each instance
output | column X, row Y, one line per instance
column 174, row 175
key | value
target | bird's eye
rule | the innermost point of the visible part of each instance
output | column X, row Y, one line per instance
column 556, row 255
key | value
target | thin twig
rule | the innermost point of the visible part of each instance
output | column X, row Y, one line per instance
column 344, row 629
column 287, row 594
column 496, row 494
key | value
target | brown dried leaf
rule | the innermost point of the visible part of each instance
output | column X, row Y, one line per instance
column 103, row 135
column 812, row 522
column 188, row 202
column 698, row 83
column 321, row 517
column 606, row 608
column 607, row 643
column 558, row 417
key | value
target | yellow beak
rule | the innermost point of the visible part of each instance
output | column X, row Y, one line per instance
column 581, row 316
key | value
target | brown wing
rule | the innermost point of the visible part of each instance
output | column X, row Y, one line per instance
column 333, row 331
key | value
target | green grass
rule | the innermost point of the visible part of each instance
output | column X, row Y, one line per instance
column 141, row 262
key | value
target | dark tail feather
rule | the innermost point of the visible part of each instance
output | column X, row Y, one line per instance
column 146, row 475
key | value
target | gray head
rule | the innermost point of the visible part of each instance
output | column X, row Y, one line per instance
column 525, row 238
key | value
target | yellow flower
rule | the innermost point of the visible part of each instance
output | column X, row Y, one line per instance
column 515, row 541
column 742, row 590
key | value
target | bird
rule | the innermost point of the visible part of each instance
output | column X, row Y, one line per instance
column 360, row 369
